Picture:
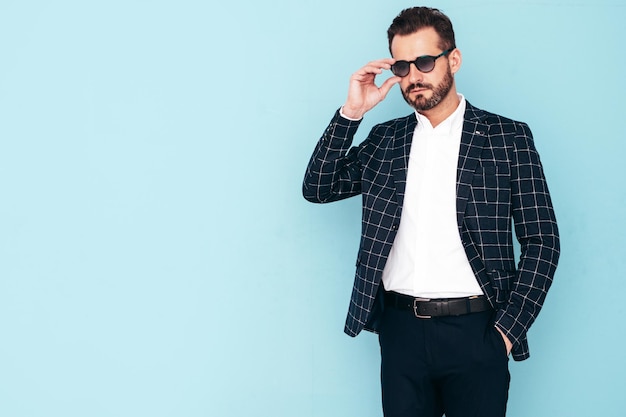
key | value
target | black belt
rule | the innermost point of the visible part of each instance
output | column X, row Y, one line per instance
column 425, row 308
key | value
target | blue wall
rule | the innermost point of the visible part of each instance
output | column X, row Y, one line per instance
column 156, row 257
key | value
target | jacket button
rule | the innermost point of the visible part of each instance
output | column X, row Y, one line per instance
column 394, row 227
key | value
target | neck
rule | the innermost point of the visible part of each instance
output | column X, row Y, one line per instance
column 444, row 109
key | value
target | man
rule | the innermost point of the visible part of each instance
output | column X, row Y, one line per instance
column 441, row 189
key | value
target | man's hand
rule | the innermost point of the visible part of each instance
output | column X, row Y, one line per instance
column 363, row 93
column 507, row 342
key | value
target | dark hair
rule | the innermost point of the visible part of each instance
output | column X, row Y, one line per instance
column 411, row 20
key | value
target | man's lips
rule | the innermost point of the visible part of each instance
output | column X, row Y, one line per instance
column 417, row 89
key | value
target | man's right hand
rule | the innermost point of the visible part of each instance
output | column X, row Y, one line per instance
column 363, row 93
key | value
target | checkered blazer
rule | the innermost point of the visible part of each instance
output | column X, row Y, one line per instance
column 499, row 179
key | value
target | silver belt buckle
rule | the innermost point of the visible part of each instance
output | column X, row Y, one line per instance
column 415, row 301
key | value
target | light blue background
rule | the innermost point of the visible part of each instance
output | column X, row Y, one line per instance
column 156, row 255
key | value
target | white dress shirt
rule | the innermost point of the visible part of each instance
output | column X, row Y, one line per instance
column 427, row 258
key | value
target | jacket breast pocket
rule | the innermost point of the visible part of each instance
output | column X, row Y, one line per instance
column 492, row 178
column 491, row 190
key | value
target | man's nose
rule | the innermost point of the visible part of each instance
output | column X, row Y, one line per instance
column 415, row 75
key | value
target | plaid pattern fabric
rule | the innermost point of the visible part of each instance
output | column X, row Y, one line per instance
column 499, row 179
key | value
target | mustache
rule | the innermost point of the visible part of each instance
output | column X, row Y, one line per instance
column 418, row 85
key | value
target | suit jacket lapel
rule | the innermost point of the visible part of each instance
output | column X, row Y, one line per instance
column 472, row 142
column 401, row 148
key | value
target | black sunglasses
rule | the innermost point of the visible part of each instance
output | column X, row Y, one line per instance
column 424, row 63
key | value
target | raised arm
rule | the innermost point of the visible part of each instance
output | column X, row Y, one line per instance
column 334, row 170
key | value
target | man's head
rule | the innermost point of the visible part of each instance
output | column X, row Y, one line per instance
column 427, row 34
column 412, row 20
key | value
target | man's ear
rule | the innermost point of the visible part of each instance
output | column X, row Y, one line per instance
column 455, row 59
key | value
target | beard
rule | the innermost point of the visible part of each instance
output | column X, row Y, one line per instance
column 439, row 92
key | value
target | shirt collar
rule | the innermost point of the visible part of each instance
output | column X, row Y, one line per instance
column 450, row 124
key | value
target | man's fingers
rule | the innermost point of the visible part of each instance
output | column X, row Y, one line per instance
column 376, row 67
column 363, row 93
column 386, row 86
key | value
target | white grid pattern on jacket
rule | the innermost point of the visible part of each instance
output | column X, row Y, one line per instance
column 499, row 179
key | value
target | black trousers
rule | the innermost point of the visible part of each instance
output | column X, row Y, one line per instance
column 454, row 365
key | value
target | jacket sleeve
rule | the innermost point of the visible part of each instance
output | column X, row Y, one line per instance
column 537, row 232
column 334, row 171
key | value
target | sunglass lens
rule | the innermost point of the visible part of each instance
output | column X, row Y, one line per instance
column 425, row 63
column 400, row 68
